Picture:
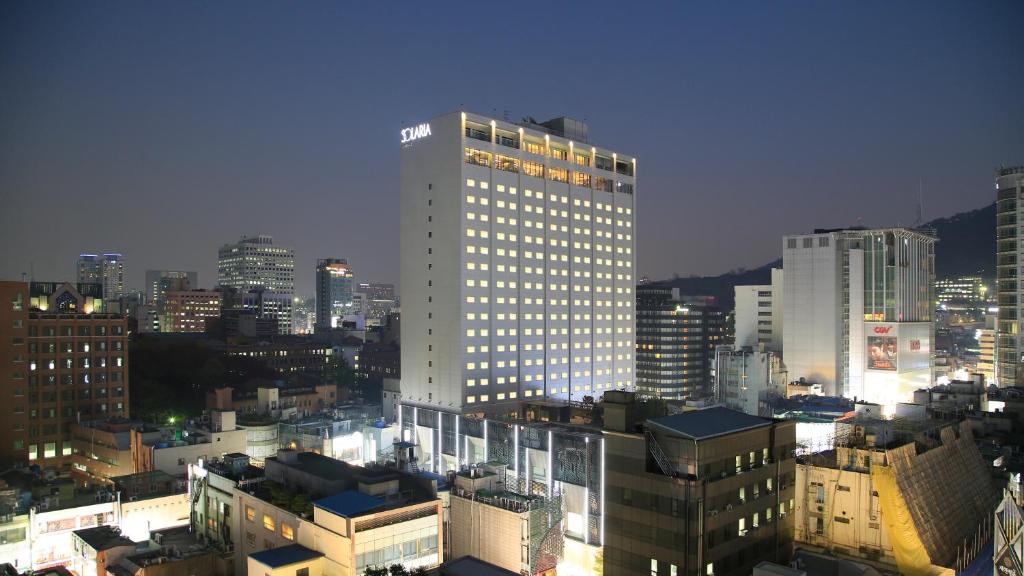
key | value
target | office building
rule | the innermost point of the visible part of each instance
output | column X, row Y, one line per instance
column 759, row 314
column 1009, row 340
column 188, row 310
column 334, row 290
column 104, row 269
column 746, row 378
column 706, row 492
column 379, row 301
column 158, row 282
column 63, row 362
column 255, row 263
column 268, row 305
column 517, row 252
column 675, row 343
column 858, row 308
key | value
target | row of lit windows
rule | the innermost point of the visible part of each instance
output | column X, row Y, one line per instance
column 536, row 169
column 551, row 392
column 484, row 185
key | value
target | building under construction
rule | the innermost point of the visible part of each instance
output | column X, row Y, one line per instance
column 907, row 492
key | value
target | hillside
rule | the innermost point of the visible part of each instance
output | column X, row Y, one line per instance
column 966, row 246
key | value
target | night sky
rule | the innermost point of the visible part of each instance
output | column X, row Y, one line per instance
column 164, row 130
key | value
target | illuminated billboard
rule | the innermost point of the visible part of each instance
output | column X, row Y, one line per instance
column 882, row 353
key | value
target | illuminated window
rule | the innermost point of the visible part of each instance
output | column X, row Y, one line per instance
column 478, row 157
column 558, row 174
column 287, row 532
column 268, row 522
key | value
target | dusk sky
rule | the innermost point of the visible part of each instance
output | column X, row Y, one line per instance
column 162, row 130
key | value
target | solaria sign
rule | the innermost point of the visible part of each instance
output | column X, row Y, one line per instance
column 415, row 133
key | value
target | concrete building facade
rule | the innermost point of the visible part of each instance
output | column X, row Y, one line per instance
column 63, row 362
column 1009, row 222
column 759, row 314
column 858, row 311
column 255, row 263
column 675, row 343
column 517, row 264
column 703, row 493
column 746, row 377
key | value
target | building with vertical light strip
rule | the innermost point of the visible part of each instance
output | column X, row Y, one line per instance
column 517, row 269
column 517, row 264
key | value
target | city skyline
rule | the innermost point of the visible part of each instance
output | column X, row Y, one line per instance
column 893, row 100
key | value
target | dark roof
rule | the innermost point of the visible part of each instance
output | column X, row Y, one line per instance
column 471, row 566
column 103, row 538
column 285, row 555
column 350, row 503
column 709, row 422
column 118, row 570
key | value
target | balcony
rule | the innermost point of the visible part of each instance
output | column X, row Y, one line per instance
column 478, row 134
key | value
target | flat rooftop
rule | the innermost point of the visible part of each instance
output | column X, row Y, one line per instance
column 709, row 422
column 285, row 555
column 350, row 503
column 471, row 566
column 103, row 537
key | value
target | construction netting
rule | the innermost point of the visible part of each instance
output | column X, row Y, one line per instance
column 911, row 556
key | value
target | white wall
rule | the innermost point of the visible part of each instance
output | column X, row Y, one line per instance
column 812, row 329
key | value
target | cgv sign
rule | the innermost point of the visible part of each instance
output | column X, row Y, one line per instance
column 415, row 133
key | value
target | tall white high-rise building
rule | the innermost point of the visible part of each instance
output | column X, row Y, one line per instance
column 517, row 264
column 858, row 311
column 759, row 314
column 254, row 262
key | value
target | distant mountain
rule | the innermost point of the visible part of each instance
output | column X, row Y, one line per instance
column 967, row 244
column 966, row 247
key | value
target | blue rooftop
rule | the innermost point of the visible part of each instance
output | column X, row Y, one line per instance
column 349, row 503
column 285, row 555
column 709, row 422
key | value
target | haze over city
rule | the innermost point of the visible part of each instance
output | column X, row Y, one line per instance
column 165, row 130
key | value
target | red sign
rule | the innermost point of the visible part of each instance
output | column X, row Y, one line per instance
column 883, row 329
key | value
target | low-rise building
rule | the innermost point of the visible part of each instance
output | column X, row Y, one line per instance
column 96, row 548
column 151, row 501
column 270, row 398
column 188, row 310
column 173, row 552
column 207, row 440
column 211, row 487
column 891, row 491
column 745, row 378
column 288, row 354
column 102, row 449
column 356, row 517
column 495, row 524
column 956, row 398
column 706, row 492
